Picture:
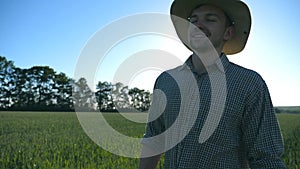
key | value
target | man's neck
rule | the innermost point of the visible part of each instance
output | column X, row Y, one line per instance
column 201, row 63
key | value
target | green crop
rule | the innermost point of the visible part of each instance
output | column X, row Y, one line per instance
column 57, row 140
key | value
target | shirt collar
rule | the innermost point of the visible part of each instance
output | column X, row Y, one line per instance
column 220, row 64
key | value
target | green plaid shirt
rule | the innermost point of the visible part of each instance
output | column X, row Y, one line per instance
column 248, row 134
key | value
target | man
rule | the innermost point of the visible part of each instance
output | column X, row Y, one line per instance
column 214, row 114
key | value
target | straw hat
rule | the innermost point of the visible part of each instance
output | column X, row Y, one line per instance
column 236, row 10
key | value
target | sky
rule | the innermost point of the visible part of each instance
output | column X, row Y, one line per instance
column 54, row 33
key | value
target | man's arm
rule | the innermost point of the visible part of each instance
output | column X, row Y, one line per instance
column 148, row 162
column 261, row 132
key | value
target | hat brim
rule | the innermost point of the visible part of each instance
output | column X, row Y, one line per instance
column 236, row 10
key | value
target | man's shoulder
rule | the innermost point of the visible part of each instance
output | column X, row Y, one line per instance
column 244, row 74
column 168, row 77
column 169, row 72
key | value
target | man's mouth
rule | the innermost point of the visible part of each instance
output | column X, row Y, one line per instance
column 201, row 35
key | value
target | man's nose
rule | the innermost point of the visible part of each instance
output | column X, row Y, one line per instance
column 199, row 24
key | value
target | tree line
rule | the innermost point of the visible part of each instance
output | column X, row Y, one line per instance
column 40, row 88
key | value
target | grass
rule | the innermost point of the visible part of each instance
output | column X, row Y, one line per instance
column 290, row 127
column 51, row 140
column 56, row 140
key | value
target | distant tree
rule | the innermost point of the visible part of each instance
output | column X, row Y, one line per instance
column 21, row 94
column 39, row 84
column 277, row 110
column 7, row 70
column 62, row 90
column 121, row 97
column 104, row 96
column 140, row 99
column 83, row 96
column 118, row 97
column 146, row 101
column 41, row 88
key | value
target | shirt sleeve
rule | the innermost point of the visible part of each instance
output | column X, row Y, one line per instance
column 261, row 132
column 155, row 125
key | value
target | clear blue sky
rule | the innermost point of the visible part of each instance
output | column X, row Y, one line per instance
column 53, row 33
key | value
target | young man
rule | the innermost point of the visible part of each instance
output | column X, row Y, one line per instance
column 214, row 114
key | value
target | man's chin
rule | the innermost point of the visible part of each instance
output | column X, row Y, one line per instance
column 202, row 47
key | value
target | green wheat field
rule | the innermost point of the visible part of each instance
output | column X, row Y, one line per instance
column 57, row 140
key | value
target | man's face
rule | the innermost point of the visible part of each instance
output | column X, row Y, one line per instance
column 208, row 23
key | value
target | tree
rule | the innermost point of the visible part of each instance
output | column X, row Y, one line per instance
column 41, row 88
column 83, row 96
column 104, row 96
column 62, row 90
column 140, row 99
column 7, row 83
column 120, row 97
column 20, row 94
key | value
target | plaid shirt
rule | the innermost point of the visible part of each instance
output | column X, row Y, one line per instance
column 247, row 135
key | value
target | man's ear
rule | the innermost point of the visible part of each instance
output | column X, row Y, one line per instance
column 229, row 33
